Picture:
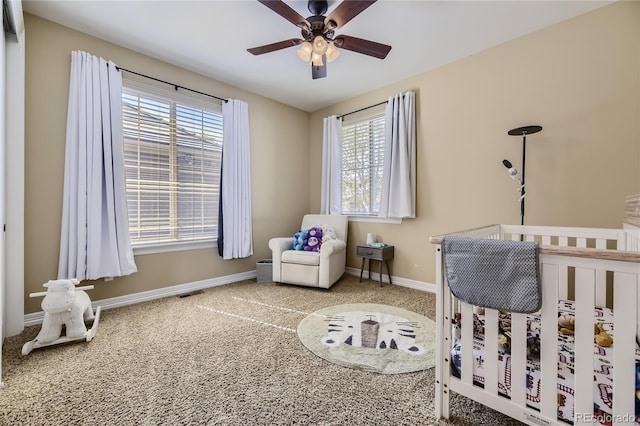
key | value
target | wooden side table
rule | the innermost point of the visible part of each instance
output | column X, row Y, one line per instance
column 381, row 254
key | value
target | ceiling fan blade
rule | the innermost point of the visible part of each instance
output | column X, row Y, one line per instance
column 346, row 11
column 360, row 45
column 275, row 46
column 282, row 9
column 318, row 71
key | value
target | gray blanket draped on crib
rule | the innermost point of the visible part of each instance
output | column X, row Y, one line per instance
column 497, row 274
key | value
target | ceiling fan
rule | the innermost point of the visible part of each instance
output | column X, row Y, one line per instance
column 319, row 42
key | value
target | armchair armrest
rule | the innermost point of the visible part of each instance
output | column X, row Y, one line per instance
column 333, row 260
column 277, row 246
column 280, row 244
column 332, row 246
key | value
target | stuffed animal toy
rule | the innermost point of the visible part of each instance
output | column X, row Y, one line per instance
column 315, row 239
column 601, row 337
column 64, row 305
column 566, row 324
column 299, row 240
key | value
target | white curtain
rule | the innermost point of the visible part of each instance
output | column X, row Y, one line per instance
column 331, row 196
column 94, row 239
column 398, row 198
column 236, row 181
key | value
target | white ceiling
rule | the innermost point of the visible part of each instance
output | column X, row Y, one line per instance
column 211, row 38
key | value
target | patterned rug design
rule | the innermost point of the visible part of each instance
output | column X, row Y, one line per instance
column 371, row 337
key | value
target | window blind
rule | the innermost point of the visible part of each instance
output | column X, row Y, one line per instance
column 173, row 153
column 362, row 162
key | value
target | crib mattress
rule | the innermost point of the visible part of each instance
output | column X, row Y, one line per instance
column 602, row 366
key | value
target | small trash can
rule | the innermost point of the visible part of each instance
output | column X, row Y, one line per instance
column 264, row 271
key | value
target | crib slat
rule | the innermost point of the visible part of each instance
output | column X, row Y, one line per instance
column 546, row 240
column 467, row 343
column 624, row 300
column 518, row 358
column 490, row 351
column 583, row 350
column 563, row 285
column 601, row 278
column 443, row 339
column 563, row 282
column 549, row 338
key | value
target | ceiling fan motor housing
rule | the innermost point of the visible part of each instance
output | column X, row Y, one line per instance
column 317, row 28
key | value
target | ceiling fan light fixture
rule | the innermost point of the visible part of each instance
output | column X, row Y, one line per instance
column 332, row 53
column 305, row 50
column 316, row 59
column 320, row 45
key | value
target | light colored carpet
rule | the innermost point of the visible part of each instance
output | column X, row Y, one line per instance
column 371, row 337
column 227, row 356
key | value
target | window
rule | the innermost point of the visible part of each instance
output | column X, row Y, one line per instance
column 362, row 163
column 173, row 157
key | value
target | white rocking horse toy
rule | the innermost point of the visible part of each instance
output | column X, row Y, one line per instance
column 68, row 305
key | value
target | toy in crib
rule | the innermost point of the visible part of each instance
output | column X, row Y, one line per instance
column 504, row 332
column 456, row 328
column 66, row 305
column 601, row 337
column 566, row 325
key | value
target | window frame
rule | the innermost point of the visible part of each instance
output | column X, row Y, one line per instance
column 188, row 100
column 366, row 117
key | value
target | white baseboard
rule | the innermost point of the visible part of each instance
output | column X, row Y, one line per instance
column 404, row 282
column 145, row 296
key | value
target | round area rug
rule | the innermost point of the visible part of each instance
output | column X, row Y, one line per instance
column 371, row 337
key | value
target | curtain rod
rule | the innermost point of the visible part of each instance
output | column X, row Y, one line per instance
column 176, row 86
column 361, row 109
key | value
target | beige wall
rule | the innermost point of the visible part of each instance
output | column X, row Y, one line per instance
column 275, row 158
column 578, row 79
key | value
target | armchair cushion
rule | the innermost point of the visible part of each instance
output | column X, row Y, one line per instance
column 301, row 257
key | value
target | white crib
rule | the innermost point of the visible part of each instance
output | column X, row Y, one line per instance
column 591, row 267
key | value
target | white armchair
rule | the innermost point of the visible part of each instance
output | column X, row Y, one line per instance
column 310, row 268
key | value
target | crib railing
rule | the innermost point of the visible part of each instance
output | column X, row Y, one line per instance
column 594, row 259
column 551, row 238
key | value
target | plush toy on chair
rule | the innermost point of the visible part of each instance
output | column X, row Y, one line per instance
column 64, row 305
column 314, row 240
column 299, row 240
